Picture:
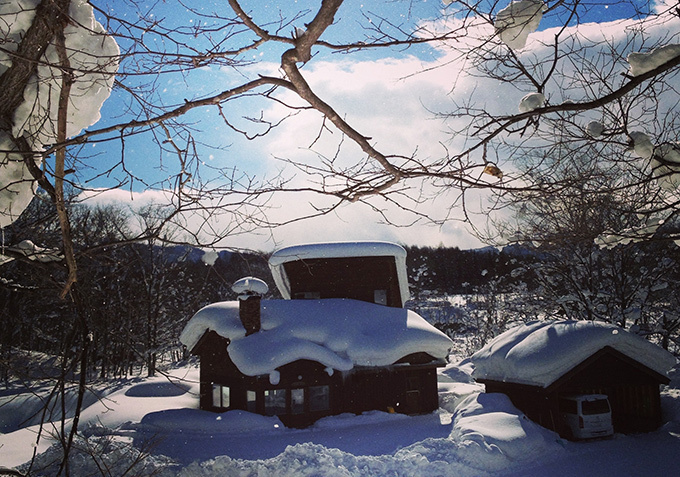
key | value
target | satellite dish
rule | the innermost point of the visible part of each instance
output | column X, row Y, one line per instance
column 250, row 286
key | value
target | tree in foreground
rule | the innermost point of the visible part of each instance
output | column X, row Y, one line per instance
column 60, row 59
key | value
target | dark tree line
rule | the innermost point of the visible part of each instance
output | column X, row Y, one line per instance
column 449, row 270
column 137, row 295
column 634, row 285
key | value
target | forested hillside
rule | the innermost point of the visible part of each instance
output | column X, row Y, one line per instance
column 139, row 295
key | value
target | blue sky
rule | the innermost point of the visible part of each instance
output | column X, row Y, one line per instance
column 378, row 91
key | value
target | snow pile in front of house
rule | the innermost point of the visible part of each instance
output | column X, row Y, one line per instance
column 338, row 333
column 540, row 352
column 493, row 431
column 483, row 436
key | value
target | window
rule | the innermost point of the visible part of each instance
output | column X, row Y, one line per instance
column 596, row 406
column 220, row 396
column 319, row 398
column 274, row 402
column 380, row 297
column 251, row 401
column 297, row 401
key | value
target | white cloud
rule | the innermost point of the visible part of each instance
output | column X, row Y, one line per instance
column 136, row 200
column 391, row 100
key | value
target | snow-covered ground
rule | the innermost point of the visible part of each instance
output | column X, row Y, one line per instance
column 472, row 434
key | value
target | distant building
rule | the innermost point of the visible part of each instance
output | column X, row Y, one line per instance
column 341, row 343
column 537, row 363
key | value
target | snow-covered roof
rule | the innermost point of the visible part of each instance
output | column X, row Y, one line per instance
column 338, row 333
column 337, row 250
column 539, row 353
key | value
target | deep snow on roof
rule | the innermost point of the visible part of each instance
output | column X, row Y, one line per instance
column 539, row 353
column 338, row 333
column 337, row 250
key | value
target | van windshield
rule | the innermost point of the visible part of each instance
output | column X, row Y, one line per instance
column 598, row 406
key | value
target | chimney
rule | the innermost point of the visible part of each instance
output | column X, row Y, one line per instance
column 250, row 291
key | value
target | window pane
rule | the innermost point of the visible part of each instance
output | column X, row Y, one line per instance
column 251, row 405
column 600, row 406
column 319, row 398
column 297, row 401
column 226, row 401
column 274, row 402
column 216, row 395
column 220, row 396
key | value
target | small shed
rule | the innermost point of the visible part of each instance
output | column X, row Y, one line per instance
column 536, row 363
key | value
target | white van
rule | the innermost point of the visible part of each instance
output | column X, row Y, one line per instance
column 586, row 416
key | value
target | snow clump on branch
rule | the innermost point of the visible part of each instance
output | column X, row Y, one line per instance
column 516, row 21
column 641, row 63
column 93, row 58
column 594, row 129
column 531, row 101
column 664, row 159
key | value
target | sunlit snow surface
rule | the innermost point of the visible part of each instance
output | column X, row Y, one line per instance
column 338, row 333
column 471, row 435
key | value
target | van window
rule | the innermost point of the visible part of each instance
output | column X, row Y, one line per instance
column 598, row 406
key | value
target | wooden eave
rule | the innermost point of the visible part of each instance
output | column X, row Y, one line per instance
column 207, row 335
column 579, row 368
column 597, row 355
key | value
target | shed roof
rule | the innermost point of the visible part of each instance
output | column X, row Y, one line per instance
column 540, row 352
column 338, row 333
column 337, row 250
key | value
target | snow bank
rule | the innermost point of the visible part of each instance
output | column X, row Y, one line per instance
column 488, row 436
column 338, row 333
column 493, row 431
column 187, row 421
column 485, row 436
column 540, row 352
column 93, row 57
column 455, row 383
column 516, row 21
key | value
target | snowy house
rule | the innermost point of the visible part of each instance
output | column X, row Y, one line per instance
column 536, row 363
column 320, row 352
